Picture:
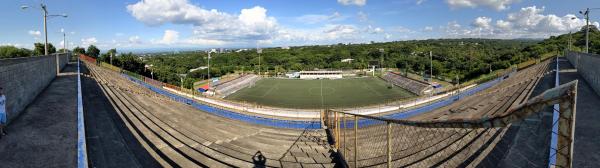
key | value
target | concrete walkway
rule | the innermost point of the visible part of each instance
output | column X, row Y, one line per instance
column 45, row 134
column 586, row 151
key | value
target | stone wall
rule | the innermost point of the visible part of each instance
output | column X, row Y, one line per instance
column 24, row 78
column 588, row 66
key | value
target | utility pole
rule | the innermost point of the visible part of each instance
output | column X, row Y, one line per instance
column 45, row 29
column 111, row 58
column 64, row 42
column 587, row 30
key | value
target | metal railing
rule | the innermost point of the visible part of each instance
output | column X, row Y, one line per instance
column 364, row 140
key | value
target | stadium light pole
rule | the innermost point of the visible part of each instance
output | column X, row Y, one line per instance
column 258, row 51
column 381, row 63
column 430, row 66
column 46, row 16
column 208, row 67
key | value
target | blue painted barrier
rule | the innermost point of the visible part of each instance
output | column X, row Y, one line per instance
column 311, row 124
column 555, row 115
column 81, row 145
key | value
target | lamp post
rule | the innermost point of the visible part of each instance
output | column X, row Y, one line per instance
column 586, row 14
column 46, row 16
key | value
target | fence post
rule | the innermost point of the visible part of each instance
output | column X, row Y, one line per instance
column 335, row 130
column 355, row 141
column 344, row 131
column 389, row 144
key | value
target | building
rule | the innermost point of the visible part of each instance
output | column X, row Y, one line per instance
column 320, row 74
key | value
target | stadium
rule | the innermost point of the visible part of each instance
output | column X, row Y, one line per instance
column 445, row 129
column 317, row 84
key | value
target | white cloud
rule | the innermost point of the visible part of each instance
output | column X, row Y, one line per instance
column 133, row 40
column 353, row 2
column 170, row 37
column 250, row 25
column 428, row 28
column 482, row 22
column 35, row 33
column 494, row 4
column 314, row 19
column 373, row 30
column 528, row 22
column 88, row 41
column 419, row 2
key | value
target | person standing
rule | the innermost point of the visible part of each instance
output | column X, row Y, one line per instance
column 2, row 113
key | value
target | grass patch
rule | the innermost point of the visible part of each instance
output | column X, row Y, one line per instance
column 305, row 94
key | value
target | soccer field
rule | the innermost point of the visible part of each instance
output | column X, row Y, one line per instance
column 295, row 93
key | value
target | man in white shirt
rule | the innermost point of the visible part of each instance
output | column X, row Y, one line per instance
column 2, row 113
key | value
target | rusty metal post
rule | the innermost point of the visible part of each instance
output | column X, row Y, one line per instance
column 566, row 130
column 389, row 144
column 344, row 131
column 335, row 130
column 355, row 141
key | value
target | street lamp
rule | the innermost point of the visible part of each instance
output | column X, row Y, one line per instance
column 46, row 15
column 586, row 14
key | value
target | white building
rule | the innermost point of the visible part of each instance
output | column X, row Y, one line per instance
column 320, row 74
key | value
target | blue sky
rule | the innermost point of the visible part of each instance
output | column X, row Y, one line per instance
column 174, row 24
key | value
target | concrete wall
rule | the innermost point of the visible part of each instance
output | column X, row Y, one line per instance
column 24, row 78
column 588, row 66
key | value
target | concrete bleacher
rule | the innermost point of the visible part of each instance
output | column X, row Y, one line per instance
column 416, row 87
column 225, row 89
column 442, row 147
column 180, row 135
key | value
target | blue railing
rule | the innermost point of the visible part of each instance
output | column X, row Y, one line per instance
column 555, row 115
column 81, row 145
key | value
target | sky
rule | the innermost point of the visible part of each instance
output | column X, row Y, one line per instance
column 201, row 24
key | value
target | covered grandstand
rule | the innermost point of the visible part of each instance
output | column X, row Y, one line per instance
column 320, row 74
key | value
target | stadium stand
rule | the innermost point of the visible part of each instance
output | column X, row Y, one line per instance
column 225, row 89
column 416, row 87
column 437, row 147
column 178, row 135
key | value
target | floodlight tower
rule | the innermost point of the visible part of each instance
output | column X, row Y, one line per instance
column 430, row 66
column 258, row 51
column 381, row 59
column 46, row 16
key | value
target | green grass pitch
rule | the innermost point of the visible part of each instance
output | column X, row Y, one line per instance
column 310, row 94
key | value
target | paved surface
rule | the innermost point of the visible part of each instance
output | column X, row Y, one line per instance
column 587, row 127
column 45, row 133
column 109, row 142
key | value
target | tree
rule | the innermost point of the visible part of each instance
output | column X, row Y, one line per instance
column 93, row 51
column 13, row 52
column 79, row 50
column 40, row 50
